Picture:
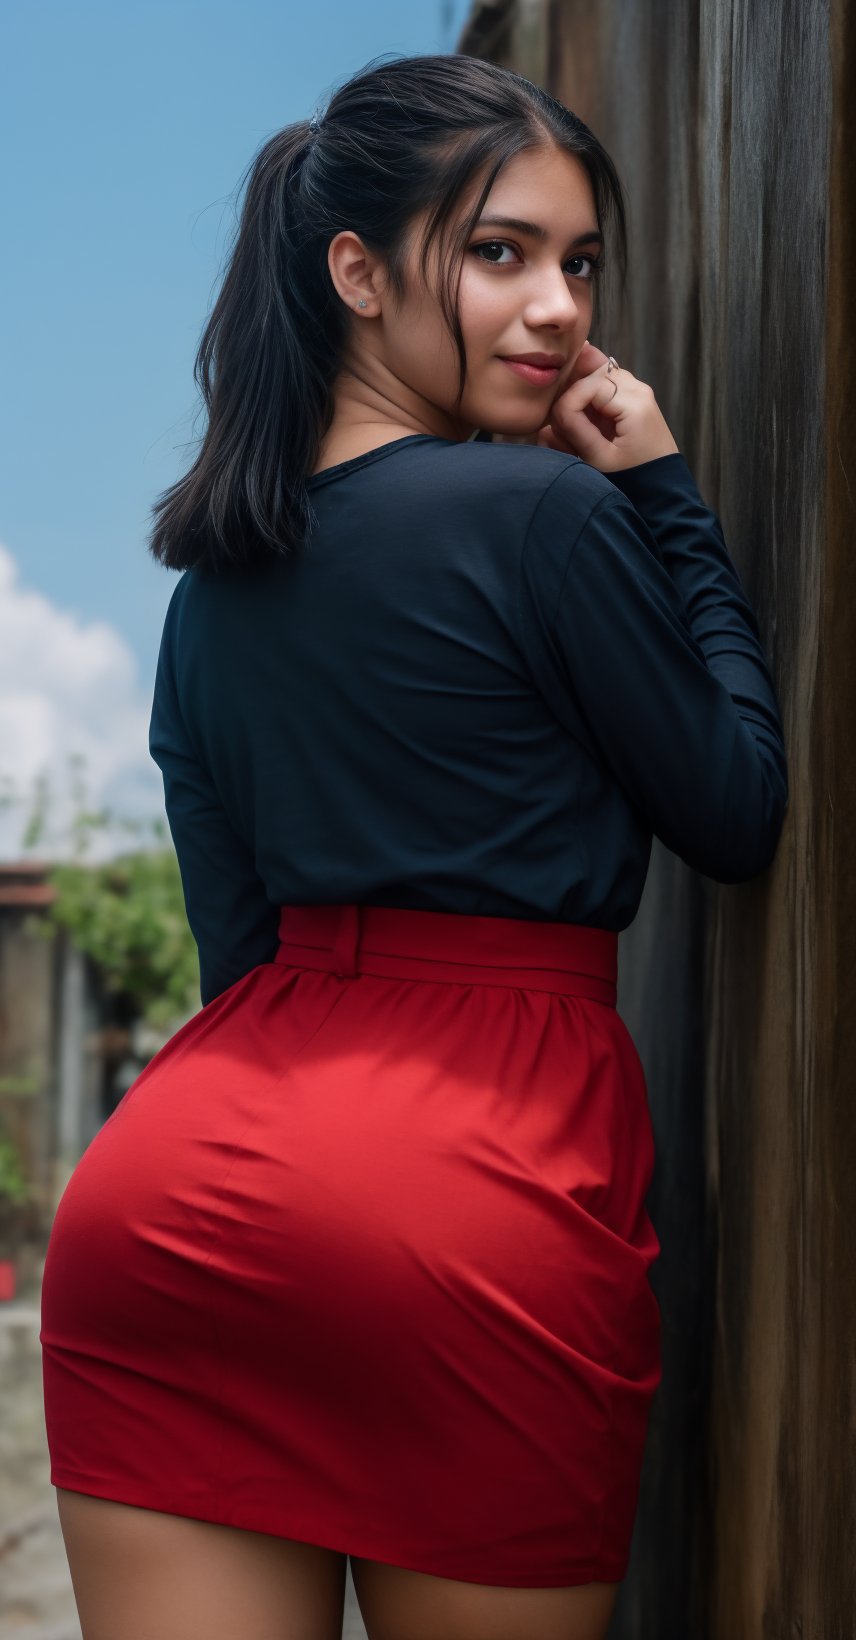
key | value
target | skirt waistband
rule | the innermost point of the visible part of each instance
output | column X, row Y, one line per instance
column 400, row 943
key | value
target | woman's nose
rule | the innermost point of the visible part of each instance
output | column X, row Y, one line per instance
column 553, row 304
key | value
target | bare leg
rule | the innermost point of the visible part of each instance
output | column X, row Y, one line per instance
column 402, row 1605
column 138, row 1574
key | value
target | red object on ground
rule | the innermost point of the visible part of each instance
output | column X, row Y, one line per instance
column 7, row 1278
column 361, row 1257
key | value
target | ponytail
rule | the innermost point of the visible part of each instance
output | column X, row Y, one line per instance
column 265, row 391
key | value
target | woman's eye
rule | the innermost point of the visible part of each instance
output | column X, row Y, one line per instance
column 491, row 245
column 502, row 245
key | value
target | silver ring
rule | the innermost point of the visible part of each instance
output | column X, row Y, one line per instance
column 613, row 364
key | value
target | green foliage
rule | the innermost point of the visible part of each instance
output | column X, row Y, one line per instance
column 127, row 912
column 21, row 1086
column 13, row 1186
column 128, row 915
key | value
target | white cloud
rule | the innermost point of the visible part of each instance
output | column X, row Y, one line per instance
column 67, row 687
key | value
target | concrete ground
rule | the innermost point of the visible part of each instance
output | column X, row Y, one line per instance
column 36, row 1596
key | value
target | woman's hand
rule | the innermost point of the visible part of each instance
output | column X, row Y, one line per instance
column 611, row 420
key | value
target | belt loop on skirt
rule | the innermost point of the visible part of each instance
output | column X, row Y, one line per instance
column 347, row 942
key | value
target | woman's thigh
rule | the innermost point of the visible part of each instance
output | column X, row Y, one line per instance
column 397, row 1604
column 137, row 1574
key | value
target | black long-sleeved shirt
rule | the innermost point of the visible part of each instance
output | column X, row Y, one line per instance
column 490, row 675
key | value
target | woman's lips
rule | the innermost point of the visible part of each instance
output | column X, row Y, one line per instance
column 540, row 374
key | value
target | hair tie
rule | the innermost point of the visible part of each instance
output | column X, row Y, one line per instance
column 315, row 122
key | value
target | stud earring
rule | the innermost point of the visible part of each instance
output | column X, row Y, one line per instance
column 361, row 303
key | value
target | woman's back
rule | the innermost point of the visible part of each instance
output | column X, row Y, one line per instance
column 475, row 689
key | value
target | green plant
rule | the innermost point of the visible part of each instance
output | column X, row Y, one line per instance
column 128, row 915
column 15, row 1196
column 23, row 1086
column 13, row 1186
column 127, row 912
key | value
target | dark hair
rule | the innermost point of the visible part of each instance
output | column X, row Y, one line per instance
column 396, row 139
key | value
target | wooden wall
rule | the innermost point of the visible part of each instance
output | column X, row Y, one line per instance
column 733, row 130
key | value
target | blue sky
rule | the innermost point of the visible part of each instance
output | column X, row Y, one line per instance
column 126, row 129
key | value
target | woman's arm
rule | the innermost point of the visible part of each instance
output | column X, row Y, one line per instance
column 662, row 651
column 232, row 920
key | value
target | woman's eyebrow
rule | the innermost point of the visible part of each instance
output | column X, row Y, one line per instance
column 534, row 229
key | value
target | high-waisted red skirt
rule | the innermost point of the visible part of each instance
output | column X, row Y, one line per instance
column 361, row 1258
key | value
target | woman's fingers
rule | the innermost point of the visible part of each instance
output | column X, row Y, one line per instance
column 597, row 389
column 585, row 417
column 588, row 359
column 606, row 416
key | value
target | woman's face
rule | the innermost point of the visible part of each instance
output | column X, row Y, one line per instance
column 521, row 291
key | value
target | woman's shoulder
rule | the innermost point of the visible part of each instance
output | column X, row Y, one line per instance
column 535, row 484
column 195, row 601
column 512, row 488
column 201, row 589
column 525, row 473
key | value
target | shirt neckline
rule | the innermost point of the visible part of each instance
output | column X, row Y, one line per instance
column 341, row 469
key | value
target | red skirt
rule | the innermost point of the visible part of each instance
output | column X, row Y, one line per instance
column 361, row 1258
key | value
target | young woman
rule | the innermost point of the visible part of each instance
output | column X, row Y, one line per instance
column 360, row 1263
